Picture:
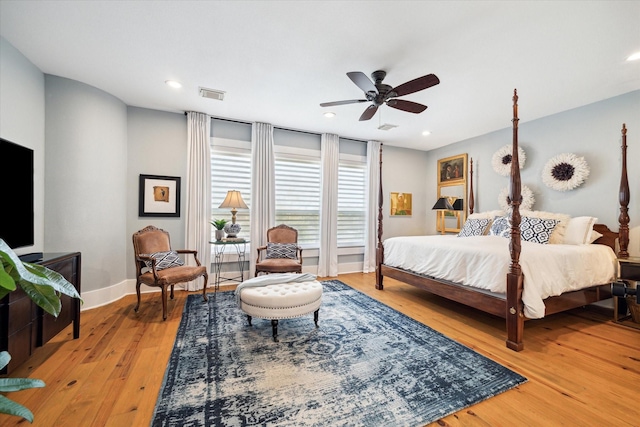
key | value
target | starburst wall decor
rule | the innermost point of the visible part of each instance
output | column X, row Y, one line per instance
column 565, row 172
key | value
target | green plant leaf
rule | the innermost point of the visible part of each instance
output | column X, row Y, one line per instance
column 43, row 295
column 52, row 279
column 9, row 407
column 6, row 281
column 5, row 358
column 17, row 384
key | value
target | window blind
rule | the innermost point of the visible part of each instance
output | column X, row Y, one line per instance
column 351, row 203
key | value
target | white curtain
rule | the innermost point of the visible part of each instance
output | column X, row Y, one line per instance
column 198, row 197
column 328, row 257
column 372, row 189
column 263, row 188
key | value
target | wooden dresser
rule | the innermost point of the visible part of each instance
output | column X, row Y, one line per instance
column 25, row 326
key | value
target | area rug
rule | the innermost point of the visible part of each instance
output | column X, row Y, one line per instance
column 365, row 365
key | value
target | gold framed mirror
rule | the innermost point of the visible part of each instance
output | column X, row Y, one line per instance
column 451, row 205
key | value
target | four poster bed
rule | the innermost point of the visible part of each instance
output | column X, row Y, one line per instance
column 431, row 262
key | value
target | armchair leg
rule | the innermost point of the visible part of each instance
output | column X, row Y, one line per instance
column 171, row 292
column 164, row 303
column 137, row 293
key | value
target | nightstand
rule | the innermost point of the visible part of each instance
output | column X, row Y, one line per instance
column 629, row 270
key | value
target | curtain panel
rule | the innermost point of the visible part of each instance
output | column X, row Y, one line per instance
column 328, row 256
column 198, row 199
column 263, row 187
column 372, row 189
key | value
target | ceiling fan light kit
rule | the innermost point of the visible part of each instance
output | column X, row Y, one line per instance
column 379, row 93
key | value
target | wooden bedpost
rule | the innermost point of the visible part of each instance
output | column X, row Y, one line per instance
column 379, row 248
column 471, row 201
column 514, row 314
column 624, row 197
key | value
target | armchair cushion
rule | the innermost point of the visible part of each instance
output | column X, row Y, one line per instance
column 282, row 250
column 166, row 259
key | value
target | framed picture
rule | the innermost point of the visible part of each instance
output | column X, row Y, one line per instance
column 452, row 169
column 159, row 196
column 400, row 204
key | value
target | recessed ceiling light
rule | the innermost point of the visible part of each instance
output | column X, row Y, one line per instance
column 174, row 84
column 426, row 133
column 329, row 114
column 634, row 57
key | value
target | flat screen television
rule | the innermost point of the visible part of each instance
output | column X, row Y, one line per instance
column 16, row 217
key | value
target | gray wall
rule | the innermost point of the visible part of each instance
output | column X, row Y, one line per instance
column 22, row 121
column 591, row 131
column 86, row 169
column 157, row 145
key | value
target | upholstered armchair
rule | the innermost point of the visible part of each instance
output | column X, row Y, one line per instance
column 157, row 265
column 282, row 253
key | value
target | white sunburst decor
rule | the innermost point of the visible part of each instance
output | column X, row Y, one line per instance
column 565, row 172
column 527, row 199
column 501, row 160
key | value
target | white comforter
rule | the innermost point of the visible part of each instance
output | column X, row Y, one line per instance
column 483, row 262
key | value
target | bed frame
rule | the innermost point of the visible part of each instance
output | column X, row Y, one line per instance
column 510, row 307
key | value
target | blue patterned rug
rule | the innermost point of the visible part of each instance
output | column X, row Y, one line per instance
column 365, row 365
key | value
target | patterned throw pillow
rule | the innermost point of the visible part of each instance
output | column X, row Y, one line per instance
column 500, row 227
column 474, row 227
column 537, row 230
column 165, row 260
column 282, row 250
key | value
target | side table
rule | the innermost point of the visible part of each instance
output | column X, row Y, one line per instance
column 629, row 270
column 219, row 251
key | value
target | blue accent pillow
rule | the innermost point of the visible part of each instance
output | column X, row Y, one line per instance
column 164, row 260
column 282, row 250
column 474, row 227
column 501, row 227
column 537, row 230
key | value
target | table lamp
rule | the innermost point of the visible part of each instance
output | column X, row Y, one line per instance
column 235, row 202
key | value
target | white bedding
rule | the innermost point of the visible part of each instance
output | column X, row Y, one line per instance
column 483, row 262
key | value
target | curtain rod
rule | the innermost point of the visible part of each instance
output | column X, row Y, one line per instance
column 282, row 128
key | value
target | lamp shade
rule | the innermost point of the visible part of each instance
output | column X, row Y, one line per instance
column 458, row 205
column 442, row 204
column 233, row 200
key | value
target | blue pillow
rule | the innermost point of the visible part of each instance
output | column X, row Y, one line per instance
column 537, row 230
column 282, row 250
column 474, row 227
column 501, row 227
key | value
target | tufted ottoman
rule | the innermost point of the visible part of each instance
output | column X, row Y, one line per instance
column 282, row 301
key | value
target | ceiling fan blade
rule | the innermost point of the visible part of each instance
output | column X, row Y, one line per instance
column 369, row 112
column 351, row 101
column 362, row 81
column 416, row 85
column 411, row 107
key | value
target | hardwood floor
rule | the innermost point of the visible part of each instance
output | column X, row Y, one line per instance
column 583, row 369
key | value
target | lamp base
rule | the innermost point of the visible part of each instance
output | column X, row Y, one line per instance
column 232, row 229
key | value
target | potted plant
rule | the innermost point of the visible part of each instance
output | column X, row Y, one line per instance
column 44, row 287
column 219, row 225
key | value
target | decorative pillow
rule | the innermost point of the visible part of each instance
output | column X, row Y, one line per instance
column 579, row 230
column 282, row 250
column 537, row 230
column 474, row 227
column 557, row 236
column 164, row 260
column 500, row 227
column 594, row 236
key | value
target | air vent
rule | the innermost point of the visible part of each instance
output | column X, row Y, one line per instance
column 212, row 94
column 387, row 126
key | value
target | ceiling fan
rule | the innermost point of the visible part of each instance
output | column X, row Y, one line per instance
column 380, row 93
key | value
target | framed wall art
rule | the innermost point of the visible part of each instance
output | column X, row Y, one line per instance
column 400, row 204
column 452, row 169
column 159, row 196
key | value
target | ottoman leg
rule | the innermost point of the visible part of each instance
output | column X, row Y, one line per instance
column 315, row 317
column 274, row 327
column 249, row 319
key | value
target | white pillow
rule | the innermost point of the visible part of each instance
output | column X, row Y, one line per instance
column 594, row 236
column 557, row 236
column 579, row 230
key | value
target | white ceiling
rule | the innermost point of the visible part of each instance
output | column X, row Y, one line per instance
column 278, row 60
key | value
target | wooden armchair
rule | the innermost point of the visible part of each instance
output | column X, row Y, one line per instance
column 157, row 265
column 282, row 253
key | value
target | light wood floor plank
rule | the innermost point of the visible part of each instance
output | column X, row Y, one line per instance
column 583, row 369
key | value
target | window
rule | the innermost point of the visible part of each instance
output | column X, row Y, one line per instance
column 230, row 170
column 298, row 195
column 351, row 203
